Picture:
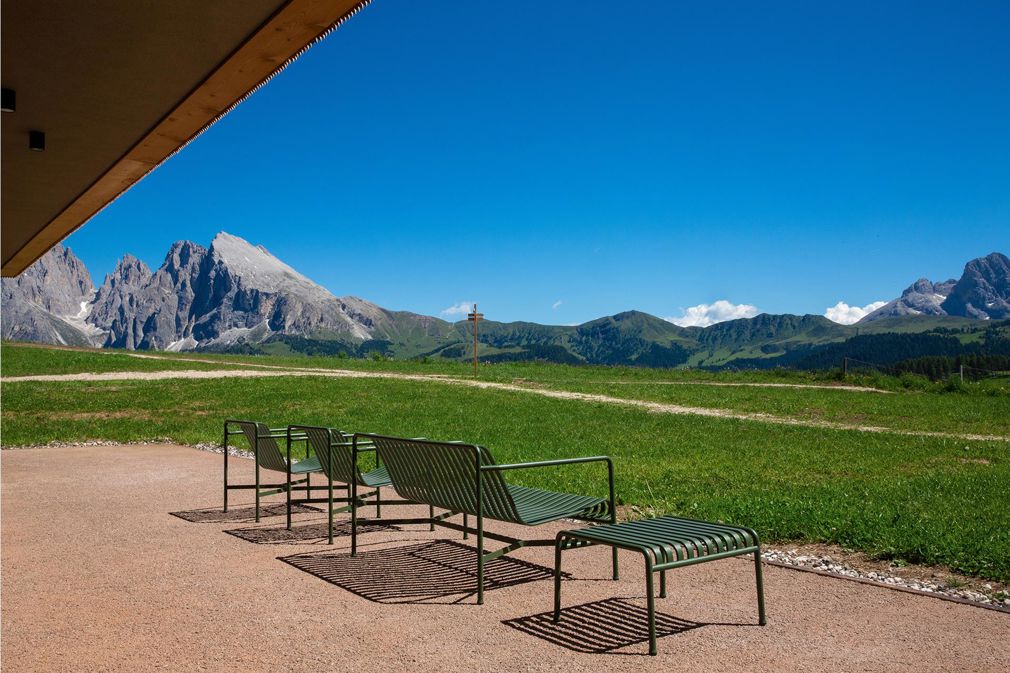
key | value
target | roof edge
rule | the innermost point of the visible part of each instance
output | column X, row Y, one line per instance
column 290, row 32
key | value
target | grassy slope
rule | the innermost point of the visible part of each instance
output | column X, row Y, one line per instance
column 24, row 360
column 917, row 411
column 925, row 409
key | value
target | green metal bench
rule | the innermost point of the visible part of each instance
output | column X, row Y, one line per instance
column 337, row 454
column 464, row 479
column 666, row 542
column 267, row 454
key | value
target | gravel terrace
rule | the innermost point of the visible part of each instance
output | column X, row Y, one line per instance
column 99, row 575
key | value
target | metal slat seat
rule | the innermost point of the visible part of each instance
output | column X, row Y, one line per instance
column 669, row 539
column 665, row 542
column 375, row 478
column 535, row 506
column 303, row 466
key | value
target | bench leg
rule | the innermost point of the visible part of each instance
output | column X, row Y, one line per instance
column 225, row 446
column 662, row 584
column 760, row 588
column 557, row 579
column 431, row 515
column 466, row 534
column 329, row 510
column 257, row 491
column 480, row 559
column 614, row 559
column 378, row 502
column 651, row 600
column 288, row 489
column 354, row 519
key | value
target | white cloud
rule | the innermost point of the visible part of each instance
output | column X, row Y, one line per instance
column 704, row 315
column 846, row 315
column 556, row 305
column 462, row 308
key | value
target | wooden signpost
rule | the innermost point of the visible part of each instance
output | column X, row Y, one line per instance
column 474, row 317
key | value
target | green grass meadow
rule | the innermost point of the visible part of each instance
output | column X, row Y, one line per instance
column 920, row 499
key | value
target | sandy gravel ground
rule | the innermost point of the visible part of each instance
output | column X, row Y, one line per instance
column 98, row 575
column 267, row 371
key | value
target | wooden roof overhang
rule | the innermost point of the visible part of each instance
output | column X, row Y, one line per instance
column 119, row 86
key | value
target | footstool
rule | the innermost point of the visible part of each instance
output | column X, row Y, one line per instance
column 666, row 542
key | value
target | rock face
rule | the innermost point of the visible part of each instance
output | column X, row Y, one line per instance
column 983, row 292
column 117, row 308
column 233, row 292
column 244, row 292
column 141, row 310
column 984, row 289
column 921, row 298
column 50, row 301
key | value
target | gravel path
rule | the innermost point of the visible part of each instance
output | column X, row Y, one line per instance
column 266, row 371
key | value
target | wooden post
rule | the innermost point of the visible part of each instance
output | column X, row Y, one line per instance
column 845, row 367
column 474, row 317
column 961, row 371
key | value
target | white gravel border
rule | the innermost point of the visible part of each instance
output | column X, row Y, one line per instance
column 826, row 564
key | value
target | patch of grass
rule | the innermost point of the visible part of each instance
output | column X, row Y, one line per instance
column 967, row 409
column 27, row 360
column 930, row 500
column 919, row 411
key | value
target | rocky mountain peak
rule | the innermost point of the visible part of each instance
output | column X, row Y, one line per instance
column 983, row 290
column 48, row 302
column 129, row 271
column 58, row 282
column 258, row 269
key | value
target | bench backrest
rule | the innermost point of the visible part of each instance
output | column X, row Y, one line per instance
column 334, row 452
column 268, row 454
column 444, row 474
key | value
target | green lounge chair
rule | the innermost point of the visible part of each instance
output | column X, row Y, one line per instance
column 464, row 479
column 337, row 455
column 263, row 443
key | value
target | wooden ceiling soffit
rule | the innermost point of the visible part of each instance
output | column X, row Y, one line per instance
column 283, row 38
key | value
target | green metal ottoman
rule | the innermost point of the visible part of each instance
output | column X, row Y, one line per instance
column 666, row 542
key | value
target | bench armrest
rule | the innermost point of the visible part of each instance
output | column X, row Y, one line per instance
column 549, row 463
column 566, row 461
column 360, row 448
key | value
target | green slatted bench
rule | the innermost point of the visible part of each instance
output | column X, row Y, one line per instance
column 666, row 542
column 465, row 479
column 337, row 453
column 267, row 455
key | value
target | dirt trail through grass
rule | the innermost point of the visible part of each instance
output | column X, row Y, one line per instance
column 249, row 370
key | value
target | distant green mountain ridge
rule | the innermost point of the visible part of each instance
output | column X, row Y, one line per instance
column 638, row 339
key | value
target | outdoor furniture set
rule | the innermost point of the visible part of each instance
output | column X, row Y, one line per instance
column 464, row 479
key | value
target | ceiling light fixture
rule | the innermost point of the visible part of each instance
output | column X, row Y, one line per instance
column 37, row 141
column 8, row 100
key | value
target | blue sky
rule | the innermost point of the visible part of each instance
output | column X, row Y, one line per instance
column 560, row 161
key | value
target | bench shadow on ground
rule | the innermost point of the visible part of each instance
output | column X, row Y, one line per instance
column 600, row 627
column 436, row 571
column 314, row 532
column 240, row 514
